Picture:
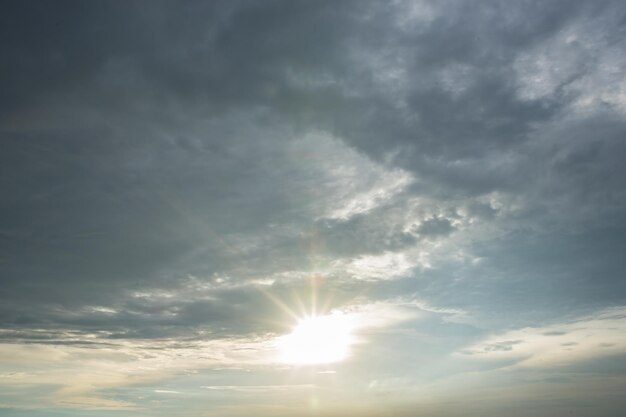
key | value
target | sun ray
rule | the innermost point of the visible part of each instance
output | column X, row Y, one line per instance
column 280, row 304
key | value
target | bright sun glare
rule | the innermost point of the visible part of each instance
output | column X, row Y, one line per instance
column 318, row 340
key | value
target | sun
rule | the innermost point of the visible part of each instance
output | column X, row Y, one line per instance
column 318, row 340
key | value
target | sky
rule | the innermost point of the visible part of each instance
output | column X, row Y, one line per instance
column 295, row 208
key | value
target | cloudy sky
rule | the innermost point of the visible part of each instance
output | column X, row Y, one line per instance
column 295, row 208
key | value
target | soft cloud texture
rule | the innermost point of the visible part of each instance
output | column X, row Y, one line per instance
column 182, row 181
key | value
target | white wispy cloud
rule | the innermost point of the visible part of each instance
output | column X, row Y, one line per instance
column 560, row 344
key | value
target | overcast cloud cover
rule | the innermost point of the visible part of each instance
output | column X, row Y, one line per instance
column 177, row 177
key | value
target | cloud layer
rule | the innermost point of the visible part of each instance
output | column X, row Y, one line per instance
column 178, row 180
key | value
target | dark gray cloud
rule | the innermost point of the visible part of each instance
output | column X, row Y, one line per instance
column 137, row 140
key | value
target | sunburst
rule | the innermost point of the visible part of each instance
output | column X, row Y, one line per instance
column 318, row 340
